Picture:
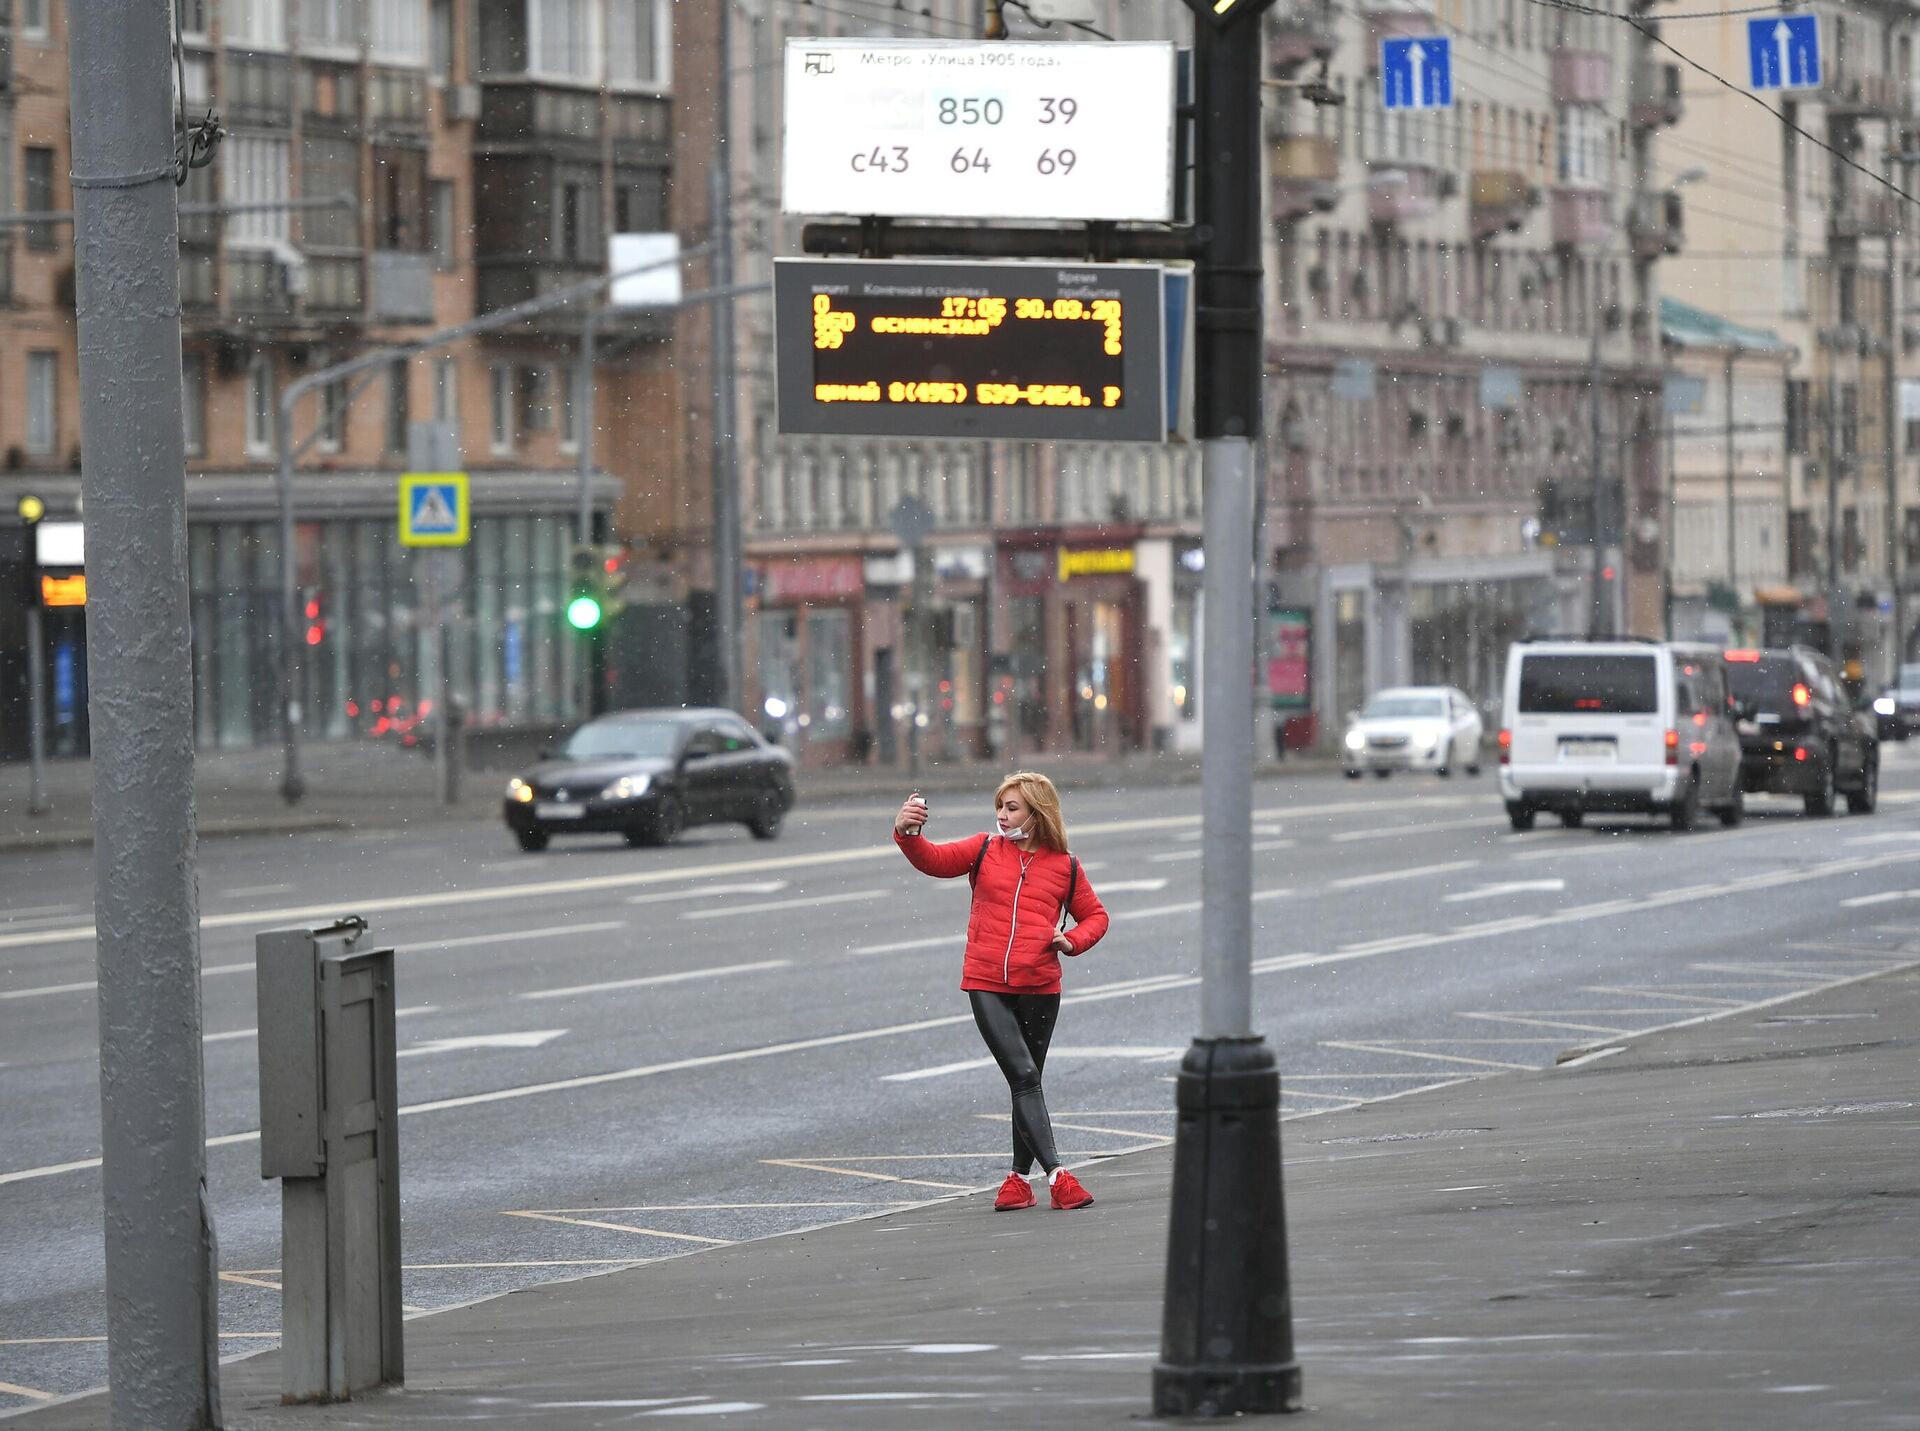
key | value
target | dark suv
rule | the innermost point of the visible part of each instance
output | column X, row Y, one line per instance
column 1798, row 733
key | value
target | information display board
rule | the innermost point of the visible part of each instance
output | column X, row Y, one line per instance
column 1018, row 350
column 988, row 130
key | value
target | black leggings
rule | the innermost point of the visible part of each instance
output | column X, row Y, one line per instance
column 1017, row 1028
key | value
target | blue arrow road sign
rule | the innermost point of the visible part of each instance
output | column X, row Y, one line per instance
column 1417, row 73
column 1783, row 52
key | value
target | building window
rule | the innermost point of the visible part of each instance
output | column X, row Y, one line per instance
column 37, row 171
column 332, row 435
column 330, row 26
column 446, row 393
column 440, row 39
column 195, row 17
column 576, row 226
column 256, row 24
column 399, row 31
column 639, row 43
column 400, row 199
column 639, row 203
column 260, row 406
column 329, row 169
column 500, row 432
column 440, row 222
column 570, row 408
column 43, row 403
column 253, row 170
column 536, row 400
column 561, row 41
column 33, row 20
column 193, row 403
column 399, row 406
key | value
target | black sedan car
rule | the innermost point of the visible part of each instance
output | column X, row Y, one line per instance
column 1799, row 734
column 649, row 774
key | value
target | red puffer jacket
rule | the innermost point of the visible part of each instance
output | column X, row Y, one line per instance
column 1016, row 908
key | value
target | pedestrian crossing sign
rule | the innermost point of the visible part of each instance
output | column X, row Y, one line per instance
column 433, row 509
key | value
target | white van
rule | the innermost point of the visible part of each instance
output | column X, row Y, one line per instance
column 1618, row 726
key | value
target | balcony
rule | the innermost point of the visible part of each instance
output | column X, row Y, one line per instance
column 1861, row 216
column 1657, row 225
column 1854, row 77
column 529, row 117
column 1390, row 19
column 1582, row 77
column 1501, row 201
column 1397, row 194
column 1581, row 216
column 1299, row 35
column 198, row 281
column 1656, row 98
column 402, row 285
column 1305, row 170
column 257, row 283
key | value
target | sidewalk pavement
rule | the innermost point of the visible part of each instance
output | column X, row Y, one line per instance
column 368, row 785
column 1710, row 1227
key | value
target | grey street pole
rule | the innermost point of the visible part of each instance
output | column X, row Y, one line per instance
column 726, row 475
column 1600, row 508
column 162, row 1358
column 1733, row 511
column 37, row 802
column 1226, row 1340
column 583, row 641
column 1890, row 448
column 1833, row 510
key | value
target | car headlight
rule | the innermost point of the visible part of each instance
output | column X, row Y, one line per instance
column 1355, row 740
column 1884, row 706
column 1427, row 742
column 518, row 789
column 626, row 787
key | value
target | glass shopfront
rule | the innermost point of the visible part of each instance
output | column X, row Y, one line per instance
column 367, row 637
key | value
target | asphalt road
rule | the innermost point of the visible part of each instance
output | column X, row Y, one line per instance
column 613, row 1055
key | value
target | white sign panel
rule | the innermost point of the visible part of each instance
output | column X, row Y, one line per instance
column 650, row 264
column 987, row 130
column 60, row 543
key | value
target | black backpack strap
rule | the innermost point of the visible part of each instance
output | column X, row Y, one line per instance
column 973, row 875
column 1073, row 883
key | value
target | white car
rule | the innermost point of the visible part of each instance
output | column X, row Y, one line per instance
column 1414, row 728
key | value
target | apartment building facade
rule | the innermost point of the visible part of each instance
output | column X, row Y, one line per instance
column 1465, row 435
column 391, row 168
column 1797, row 231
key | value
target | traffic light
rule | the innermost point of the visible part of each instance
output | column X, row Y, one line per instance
column 610, row 576
column 585, row 610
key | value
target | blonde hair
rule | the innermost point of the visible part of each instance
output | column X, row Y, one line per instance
column 1046, row 829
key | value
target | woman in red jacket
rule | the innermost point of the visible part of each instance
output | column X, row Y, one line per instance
column 1025, row 884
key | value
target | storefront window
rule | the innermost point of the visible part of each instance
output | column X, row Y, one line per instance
column 779, row 671
column 1349, row 651
column 1183, row 654
column 829, row 674
column 1030, row 666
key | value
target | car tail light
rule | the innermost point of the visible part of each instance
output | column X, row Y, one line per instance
column 1673, row 747
column 1506, row 747
column 1744, row 657
column 1802, row 695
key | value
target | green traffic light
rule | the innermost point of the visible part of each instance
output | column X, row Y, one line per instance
column 583, row 613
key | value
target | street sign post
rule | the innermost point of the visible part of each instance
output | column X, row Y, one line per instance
column 979, row 350
column 1416, row 72
column 955, row 129
column 1783, row 52
column 433, row 509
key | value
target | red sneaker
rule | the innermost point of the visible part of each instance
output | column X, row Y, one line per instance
column 1015, row 1193
column 1068, row 1194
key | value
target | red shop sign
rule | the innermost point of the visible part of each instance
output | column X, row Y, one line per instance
column 805, row 578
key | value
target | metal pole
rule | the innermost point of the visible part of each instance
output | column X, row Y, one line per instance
column 1599, row 511
column 443, row 680
column 1733, row 511
column 1833, row 509
column 726, row 476
column 1890, row 455
column 162, row 1366
column 583, row 519
column 1226, row 1340
column 37, row 802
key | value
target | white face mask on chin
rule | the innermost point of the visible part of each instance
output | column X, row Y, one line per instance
column 1017, row 834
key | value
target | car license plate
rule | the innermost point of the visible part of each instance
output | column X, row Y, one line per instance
column 556, row 810
column 1586, row 750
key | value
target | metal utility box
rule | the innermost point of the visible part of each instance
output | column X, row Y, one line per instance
column 329, row 1130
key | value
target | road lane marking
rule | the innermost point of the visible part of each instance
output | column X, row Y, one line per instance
column 1126, row 886
column 1412, row 872
column 251, row 891
column 1538, row 1022
column 1512, row 886
column 468, row 1043
column 1179, row 856
column 622, row 1227
column 904, row 945
column 246, row 1279
column 1656, row 991
column 1890, row 897
column 1389, row 832
column 1357, row 1047
column 966, row 1065
column 505, row 936
column 9, row 1388
column 35, row 911
column 1138, row 1052
column 769, row 906
column 1126, row 988
column 232, row 1034
column 765, row 886
column 863, row 1173
column 651, row 980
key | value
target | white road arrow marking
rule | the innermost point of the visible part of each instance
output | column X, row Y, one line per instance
column 1518, row 886
column 1417, row 62
column 1780, row 37
column 764, row 886
column 532, row 1038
